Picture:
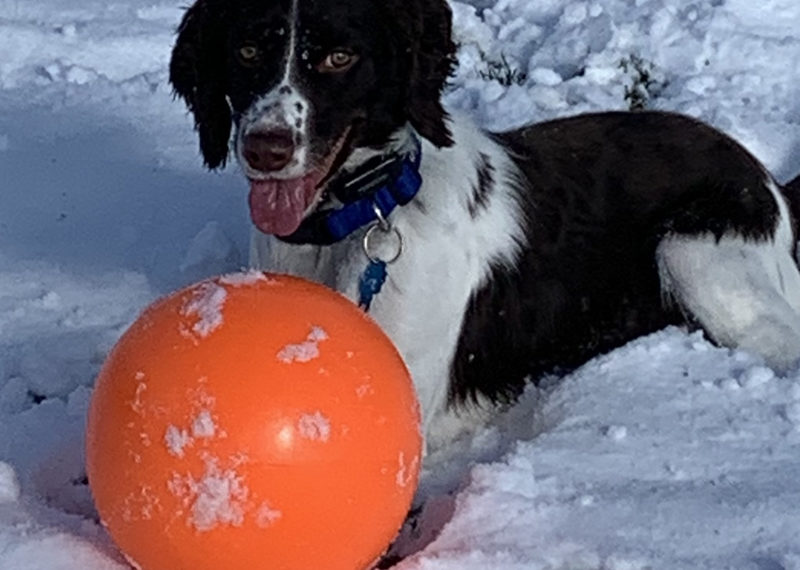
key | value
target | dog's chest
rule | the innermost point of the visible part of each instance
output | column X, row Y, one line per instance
column 420, row 306
column 449, row 246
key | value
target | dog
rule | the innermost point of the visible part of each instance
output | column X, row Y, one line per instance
column 490, row 259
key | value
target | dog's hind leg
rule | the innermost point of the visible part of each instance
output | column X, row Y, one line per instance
column 744, row 292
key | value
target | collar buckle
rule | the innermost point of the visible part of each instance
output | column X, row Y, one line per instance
column 376, row 173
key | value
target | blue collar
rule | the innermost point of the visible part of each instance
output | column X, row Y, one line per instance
column 383, row 183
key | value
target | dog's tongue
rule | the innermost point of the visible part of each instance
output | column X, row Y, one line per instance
column 277, row 206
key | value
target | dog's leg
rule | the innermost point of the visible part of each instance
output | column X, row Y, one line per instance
column 745, row 293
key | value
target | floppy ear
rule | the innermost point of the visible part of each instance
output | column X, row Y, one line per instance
column 433, row 63
column 197, row 72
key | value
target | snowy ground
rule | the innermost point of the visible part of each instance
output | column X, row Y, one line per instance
column 668, row 453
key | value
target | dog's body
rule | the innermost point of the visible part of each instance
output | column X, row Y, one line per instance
column 522, row 252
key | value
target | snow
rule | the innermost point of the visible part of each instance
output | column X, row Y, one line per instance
column 315, row 427
column 305, row 351
column 682, row 462
column 667, row 453
column 176, row 440
column 203, row 425
column 405, row 472
column 218, row 497
column 206, row 303
column 210, row 252
column 9, row 486
column 267, row 516
column 245, row 278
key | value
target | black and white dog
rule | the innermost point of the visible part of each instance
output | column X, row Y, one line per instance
column 519, row 252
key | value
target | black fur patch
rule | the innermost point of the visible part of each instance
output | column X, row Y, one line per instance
column 599, row 194
column 405, row 51
column 198, row 74
column 483, row 187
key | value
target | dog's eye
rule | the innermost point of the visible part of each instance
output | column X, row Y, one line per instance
column 337, row 61
column 248, row 54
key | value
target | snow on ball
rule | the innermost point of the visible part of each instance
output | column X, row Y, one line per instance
column 253, row 421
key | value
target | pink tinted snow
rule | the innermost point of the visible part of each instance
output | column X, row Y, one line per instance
column 137, row 404
column 266, row 516
column 203, row 425
column 406, row 471
column 304, row 351
column 218, row 497
column 245, row 278
column 176, row 440
column 206, row 303
column 315, row 427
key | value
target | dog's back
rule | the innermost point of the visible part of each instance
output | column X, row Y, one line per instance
column 607, row 196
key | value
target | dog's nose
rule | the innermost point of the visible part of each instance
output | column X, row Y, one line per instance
column 268, row 151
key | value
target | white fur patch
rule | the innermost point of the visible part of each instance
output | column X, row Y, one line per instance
column 446, row 257
column 745, row 293
column 284, row 107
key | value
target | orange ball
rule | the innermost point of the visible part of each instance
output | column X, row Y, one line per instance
column 253, row 421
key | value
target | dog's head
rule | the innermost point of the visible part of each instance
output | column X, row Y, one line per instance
column 308, row 83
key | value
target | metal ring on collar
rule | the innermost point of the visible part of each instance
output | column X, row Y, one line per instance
column 368, row 242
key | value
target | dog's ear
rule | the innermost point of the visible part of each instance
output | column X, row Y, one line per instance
column 197, row 72
column 433, row 63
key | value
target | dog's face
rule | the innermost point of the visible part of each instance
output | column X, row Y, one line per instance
column 306, row 83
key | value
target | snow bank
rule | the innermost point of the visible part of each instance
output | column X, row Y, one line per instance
column 668, row 453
